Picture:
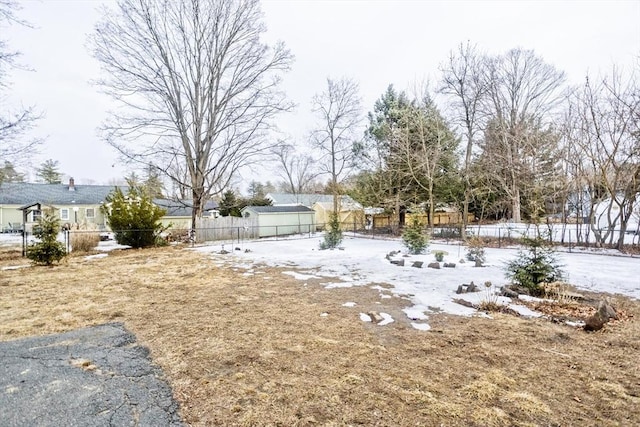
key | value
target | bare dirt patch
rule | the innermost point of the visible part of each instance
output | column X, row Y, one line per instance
column 256, row 347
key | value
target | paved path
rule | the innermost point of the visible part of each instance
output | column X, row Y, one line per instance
column 97, row 376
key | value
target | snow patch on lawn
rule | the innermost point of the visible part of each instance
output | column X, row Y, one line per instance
column 364, row 261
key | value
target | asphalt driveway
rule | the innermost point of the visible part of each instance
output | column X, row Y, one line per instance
column 96, row 376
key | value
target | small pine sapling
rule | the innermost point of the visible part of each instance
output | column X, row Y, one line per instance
column 48, row 250
column 439, row 256
column 333, row 236
column 534, row 266
column 414, row 237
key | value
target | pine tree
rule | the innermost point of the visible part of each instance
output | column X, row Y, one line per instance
column 414, row 237
column 48, row 250
column 536, row 265
column 333, row 236
column 49, row 173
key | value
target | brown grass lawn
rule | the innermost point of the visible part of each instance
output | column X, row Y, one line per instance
column 243, row 349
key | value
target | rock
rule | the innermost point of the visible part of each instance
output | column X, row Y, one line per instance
column 506, row 292
column 398, row 262
column 472, row 288
column 606, row 311
column 478, row 263
column 463, row 302
column 375, row 316
column 238, row 249
column 435, row 265
column 223, row 252
column 594, row 323
column 449, row 265
column 462, row 261
column 461, row 289
column 417, row 264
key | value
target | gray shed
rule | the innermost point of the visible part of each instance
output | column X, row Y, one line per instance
column 281, row 220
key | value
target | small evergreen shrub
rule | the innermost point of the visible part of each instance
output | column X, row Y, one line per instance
column 414, row 237
column 439, row 256
column 536, row 265
column 48, row 250
column 84, row 241
column 475, row 251
column 333, row 236
column 133, row 218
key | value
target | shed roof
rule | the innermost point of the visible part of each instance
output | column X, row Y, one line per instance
column 278, row 209
column 286, row 199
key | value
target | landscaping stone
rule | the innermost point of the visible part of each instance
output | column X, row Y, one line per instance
column 398, row 262
column 606, row 311
column 472, row 288
column 507, row 292
column 435, row 265
column 594, row 323
column 417, row 264
column 449, row 265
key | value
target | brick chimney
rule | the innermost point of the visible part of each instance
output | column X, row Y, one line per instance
column 72, row 186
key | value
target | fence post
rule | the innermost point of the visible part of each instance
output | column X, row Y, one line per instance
column 499, row 238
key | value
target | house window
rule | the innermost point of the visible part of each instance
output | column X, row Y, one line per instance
column 64, row 214
column 36, row 215
column 90, row 213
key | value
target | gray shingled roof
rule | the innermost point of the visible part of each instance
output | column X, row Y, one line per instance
column 278, row 209
column 23, row 193
column 181, row 207
column 279, row 199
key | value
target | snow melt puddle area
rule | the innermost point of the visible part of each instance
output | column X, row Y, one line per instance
column 363, row 261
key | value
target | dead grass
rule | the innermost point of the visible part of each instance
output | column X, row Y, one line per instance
column 245, row 349
column 83, row 241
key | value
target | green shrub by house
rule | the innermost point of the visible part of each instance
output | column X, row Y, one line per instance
column 133, row 218
column 414, row 237
column 48, row 250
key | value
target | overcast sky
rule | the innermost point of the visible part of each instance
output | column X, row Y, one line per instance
column 374, row 42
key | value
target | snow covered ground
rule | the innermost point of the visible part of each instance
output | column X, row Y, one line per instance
column 363, row 261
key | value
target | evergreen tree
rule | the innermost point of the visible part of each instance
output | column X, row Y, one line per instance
column 48, row 250
column 49, row 173
column 333, row 236
column 229, row 205
column 152, row 183
column 536, row 265
column 414, row 237
column 8, row 173
column 133, row 217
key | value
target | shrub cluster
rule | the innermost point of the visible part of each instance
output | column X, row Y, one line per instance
column 475, row 251
column 133, row 217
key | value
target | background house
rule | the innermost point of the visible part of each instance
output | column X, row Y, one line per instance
column 178, row 216
column 281, row 220
column 74, row 204
column 350, row 212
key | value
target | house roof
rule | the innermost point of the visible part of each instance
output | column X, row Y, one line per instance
column 285, row 199
column 24, row 193
column 278, row 209
column 182, row 207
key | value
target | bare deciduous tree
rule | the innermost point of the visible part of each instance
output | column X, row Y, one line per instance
column 16, row 122
column 297, row 170
column 464, row 81
column 606, row 141
column 521, row 92
column 338, row 111
column 197, row 86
